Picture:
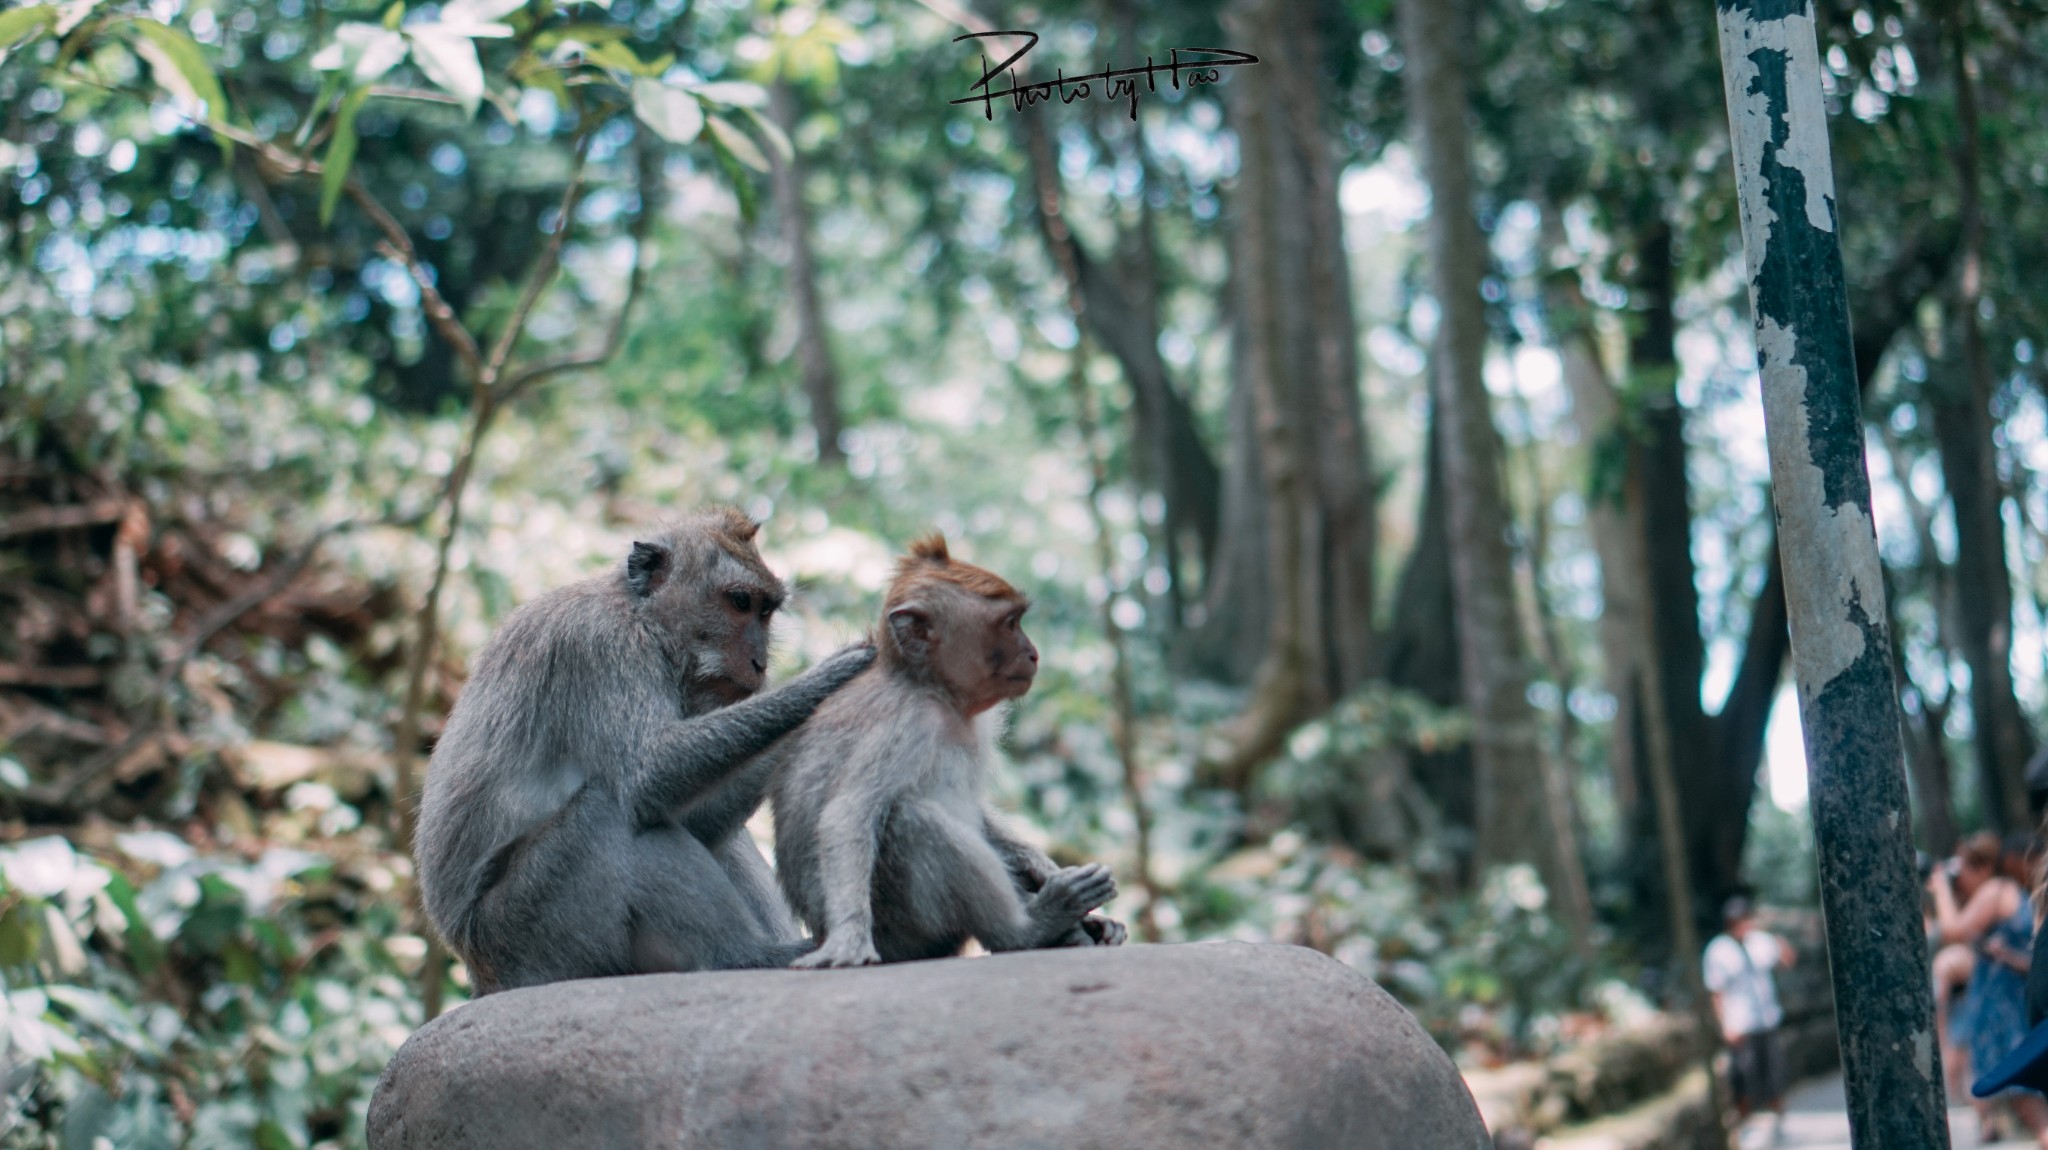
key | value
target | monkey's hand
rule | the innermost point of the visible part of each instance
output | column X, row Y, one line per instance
column 1103, row 930
column 839, row 668
column 1072, row 892
column 840, row 950
column 1094, row 930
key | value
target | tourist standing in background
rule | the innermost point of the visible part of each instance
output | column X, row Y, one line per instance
column 1738, row 966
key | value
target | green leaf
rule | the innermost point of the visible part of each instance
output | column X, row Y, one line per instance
column 736, row 142
column 144, row 947
column 23, row 24
column 618, row 58
column 742, row 186
column 549, row 40
column 341, row 153
column 675, row 115
column 21, row 936
column 778, row 141
column 550, row 81
column 188, row 63
column 394, row 16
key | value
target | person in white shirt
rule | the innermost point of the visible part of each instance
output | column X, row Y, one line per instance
column 1738, row 966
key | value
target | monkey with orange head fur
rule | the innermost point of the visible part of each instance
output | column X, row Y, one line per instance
column 884, row 842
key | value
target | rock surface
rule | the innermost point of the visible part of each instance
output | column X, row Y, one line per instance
column 1137, row 1048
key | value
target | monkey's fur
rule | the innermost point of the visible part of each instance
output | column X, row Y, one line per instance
column 585, row 808
column 882, row 839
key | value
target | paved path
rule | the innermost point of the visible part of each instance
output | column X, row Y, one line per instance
column 1816, row 1119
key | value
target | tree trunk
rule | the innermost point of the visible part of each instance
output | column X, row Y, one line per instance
column 1610, row 518
column 1295, row 359
column 1963, row 426
column 1122, row 312
column 1927, row 758
column 1511, row 826
column 1419, row 651
column 813, row 349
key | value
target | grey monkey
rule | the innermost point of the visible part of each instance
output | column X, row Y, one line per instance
column 883, row 841
column 585, row 808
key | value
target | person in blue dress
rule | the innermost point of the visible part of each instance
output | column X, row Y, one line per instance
column 1991, row 1019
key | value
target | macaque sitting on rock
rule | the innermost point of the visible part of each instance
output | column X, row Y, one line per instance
column 884, row 843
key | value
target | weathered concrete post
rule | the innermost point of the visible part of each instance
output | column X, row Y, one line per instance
column 1841, row 652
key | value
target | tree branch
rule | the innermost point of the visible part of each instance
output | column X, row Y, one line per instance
column 636, row 283
column 543, row 272
column 397, row 245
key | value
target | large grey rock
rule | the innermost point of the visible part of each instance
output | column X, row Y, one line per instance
column 1138, row 1048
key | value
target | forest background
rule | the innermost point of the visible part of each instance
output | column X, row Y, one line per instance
column 1376, row 431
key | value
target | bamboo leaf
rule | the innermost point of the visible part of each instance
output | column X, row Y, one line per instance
column 341, row 154
column 364, row 51
column 74, row 14
column 24, row 24
column 734, row 93
column 778, row 140
column 180, row 66
column 737, row 143
column 673, row 114
column 449, row 60
column 616, row 56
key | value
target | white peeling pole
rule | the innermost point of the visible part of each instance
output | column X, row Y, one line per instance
column 1841, row 652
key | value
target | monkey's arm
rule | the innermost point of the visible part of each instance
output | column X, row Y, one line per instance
column 692, row 756
column 730, row 804
column 1030, row 865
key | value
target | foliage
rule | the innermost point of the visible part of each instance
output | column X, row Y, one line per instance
column 160, row 996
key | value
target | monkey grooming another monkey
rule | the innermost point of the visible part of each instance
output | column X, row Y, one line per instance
column 882, row 839
column 585, row 808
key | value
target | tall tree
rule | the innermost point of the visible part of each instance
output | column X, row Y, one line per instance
column 1299, row 519
column 813, row 347
column 1512, row 796
column 1963, row 425
column 1122, row 312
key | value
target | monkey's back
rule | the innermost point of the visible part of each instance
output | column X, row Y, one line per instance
column 566, row 693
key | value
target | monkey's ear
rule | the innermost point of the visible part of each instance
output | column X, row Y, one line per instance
column 646, row 568
column 910, row 625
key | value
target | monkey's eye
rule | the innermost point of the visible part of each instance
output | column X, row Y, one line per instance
column 741, row 601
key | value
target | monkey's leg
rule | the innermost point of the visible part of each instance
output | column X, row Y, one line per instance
column 688, row 914
column 953, row 880
column 742, row 862
column 557, row 906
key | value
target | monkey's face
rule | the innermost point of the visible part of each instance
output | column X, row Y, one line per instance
column 734, row 657
column 985, row 657
column 713, row 601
